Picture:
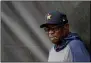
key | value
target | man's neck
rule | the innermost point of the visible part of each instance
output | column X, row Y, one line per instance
column 60, row 41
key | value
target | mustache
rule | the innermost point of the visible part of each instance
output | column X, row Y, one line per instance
column 52, row 38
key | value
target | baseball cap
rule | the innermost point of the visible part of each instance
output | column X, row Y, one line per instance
column 55, row 17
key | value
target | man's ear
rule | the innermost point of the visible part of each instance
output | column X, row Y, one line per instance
column 66, row 26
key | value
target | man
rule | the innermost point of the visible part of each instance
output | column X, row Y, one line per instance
column 68, row 47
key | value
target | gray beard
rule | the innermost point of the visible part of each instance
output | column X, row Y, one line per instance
column 54, row 38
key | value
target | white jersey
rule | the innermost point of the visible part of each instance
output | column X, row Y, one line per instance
column 61, row 56
column 73, row 52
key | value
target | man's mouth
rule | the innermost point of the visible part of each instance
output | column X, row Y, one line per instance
column 53, row 38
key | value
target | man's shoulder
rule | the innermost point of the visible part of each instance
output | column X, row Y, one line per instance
column 76, row 43
column 78, row 50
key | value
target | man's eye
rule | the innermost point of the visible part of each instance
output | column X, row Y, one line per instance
column 46, row 29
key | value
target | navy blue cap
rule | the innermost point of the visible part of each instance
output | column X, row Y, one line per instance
column 55, row 17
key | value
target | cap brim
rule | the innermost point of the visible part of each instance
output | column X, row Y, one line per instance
column 46, row 24
column 43, row 25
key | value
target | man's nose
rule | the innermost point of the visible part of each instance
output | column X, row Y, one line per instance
column 51, row 32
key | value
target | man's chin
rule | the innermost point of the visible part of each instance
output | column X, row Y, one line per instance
column 54, row 41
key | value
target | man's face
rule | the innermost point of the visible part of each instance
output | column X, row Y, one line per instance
column 55, row 33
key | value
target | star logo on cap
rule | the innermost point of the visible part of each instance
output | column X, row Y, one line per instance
column 49, row 16
column 63, row 19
